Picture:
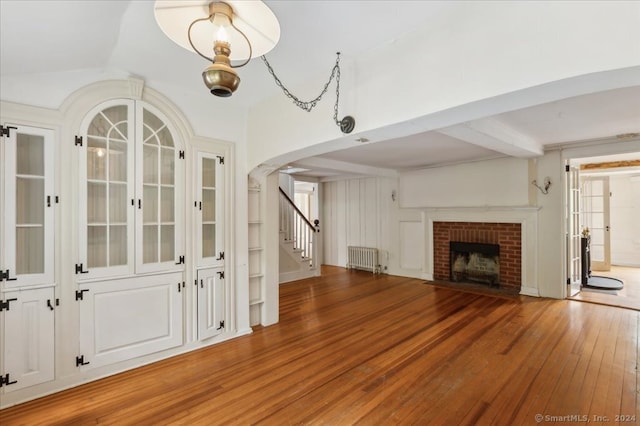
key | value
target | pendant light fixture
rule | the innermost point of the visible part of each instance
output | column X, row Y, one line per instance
column 239, row 30
column 235, row 30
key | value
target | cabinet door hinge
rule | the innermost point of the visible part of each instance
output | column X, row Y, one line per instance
column 79, row 270
column 180, row 286
column 80, row 361
column 220, row 159
column 78, row 141
column 180, row 260
column 221, row 274
column 5, row 131
column 567, row 168
column 181, row 155
column 4, row 276
column 4, row 304
column 220, row 256
column 50, row 305
column 6, row 381
column 221, row 325
column 55, row 198
column 80, row 294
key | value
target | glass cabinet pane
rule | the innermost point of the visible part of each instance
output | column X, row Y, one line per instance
column 30, row 155
column 96, row 159
column 208, row 173
column 30, row 201
column 96, row 246
column 208, row 205
column 168, row 166
column 117, row 161
column 117, row 245
column 208, row 240
column 118, row 203
column 167, row 212
column 150, row 244
column 167, row 248
column 96, row 202
column 150, row 166
column 150, row 204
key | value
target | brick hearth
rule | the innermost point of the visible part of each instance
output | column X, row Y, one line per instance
column 506, row 235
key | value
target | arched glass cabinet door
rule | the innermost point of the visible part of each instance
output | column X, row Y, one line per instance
column 106, row 194
column 130, row 182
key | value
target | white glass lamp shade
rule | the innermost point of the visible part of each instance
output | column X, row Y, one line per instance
column 252, row 17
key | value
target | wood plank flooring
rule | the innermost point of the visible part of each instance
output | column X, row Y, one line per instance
column 628, row 297
column 352, row 347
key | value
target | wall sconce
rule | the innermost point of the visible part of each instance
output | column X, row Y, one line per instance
column 544, row 189
column 238, row 31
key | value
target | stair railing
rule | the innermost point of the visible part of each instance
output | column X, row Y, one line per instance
column 298, row 228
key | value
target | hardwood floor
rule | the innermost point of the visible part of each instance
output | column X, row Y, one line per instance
column 628, row 297
column 352, row 347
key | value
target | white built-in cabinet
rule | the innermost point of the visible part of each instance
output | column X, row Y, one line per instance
column 131, row 225
column 100, row 232
column 27, row 298
column 210, row 252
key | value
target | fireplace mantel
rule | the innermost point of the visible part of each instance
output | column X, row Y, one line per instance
column 526, row 216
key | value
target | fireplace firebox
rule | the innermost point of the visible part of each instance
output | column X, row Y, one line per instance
column 475, row 262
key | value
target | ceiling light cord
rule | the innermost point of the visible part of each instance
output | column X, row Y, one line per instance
column 347, row 124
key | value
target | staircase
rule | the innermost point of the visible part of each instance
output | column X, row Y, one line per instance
column 298, row 242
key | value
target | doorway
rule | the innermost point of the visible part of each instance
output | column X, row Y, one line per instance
column 603, row 202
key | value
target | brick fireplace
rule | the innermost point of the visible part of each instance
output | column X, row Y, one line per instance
column 505, row 235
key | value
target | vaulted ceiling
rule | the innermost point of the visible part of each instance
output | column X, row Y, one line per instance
column 40, row 38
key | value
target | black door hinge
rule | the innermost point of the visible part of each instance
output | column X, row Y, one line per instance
column 5, row 131
column 79, row 270
column 221, row 325
column 568, row 280
column 4, row 276
column 220, row 159
column 50, row 305
column 80, row 361
column 180, row 260
column 567, row 168
column 4, row 304
column 181, row 155
column 6, row 381
column 78, row 141
column 221, row 274
column 220, row 256
column 56, row 200
column 80, row 294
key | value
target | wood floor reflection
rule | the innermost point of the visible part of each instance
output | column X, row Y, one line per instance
column 352, row 347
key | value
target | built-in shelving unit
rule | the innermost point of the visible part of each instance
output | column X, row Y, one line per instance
column 256, row 254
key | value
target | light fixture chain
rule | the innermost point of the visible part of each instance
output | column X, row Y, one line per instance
column 309, row 105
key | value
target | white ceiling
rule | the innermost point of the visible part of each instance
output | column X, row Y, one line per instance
column 40, row 37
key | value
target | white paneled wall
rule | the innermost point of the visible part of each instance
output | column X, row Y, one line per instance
column 356, row 212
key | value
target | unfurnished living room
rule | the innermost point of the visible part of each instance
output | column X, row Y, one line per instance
column 319, row 212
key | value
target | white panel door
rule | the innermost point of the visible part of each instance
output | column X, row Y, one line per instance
column 28, row 347
column 211, row 302
column 129, row 318
column 595, row 216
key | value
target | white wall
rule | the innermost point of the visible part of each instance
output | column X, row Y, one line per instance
column 362, row 212
column 625, row 220
column 501, row 182
column 355, row 212
column 486, row 57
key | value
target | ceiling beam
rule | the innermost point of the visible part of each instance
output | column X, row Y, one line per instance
column 343, row 167
column 493, row 134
